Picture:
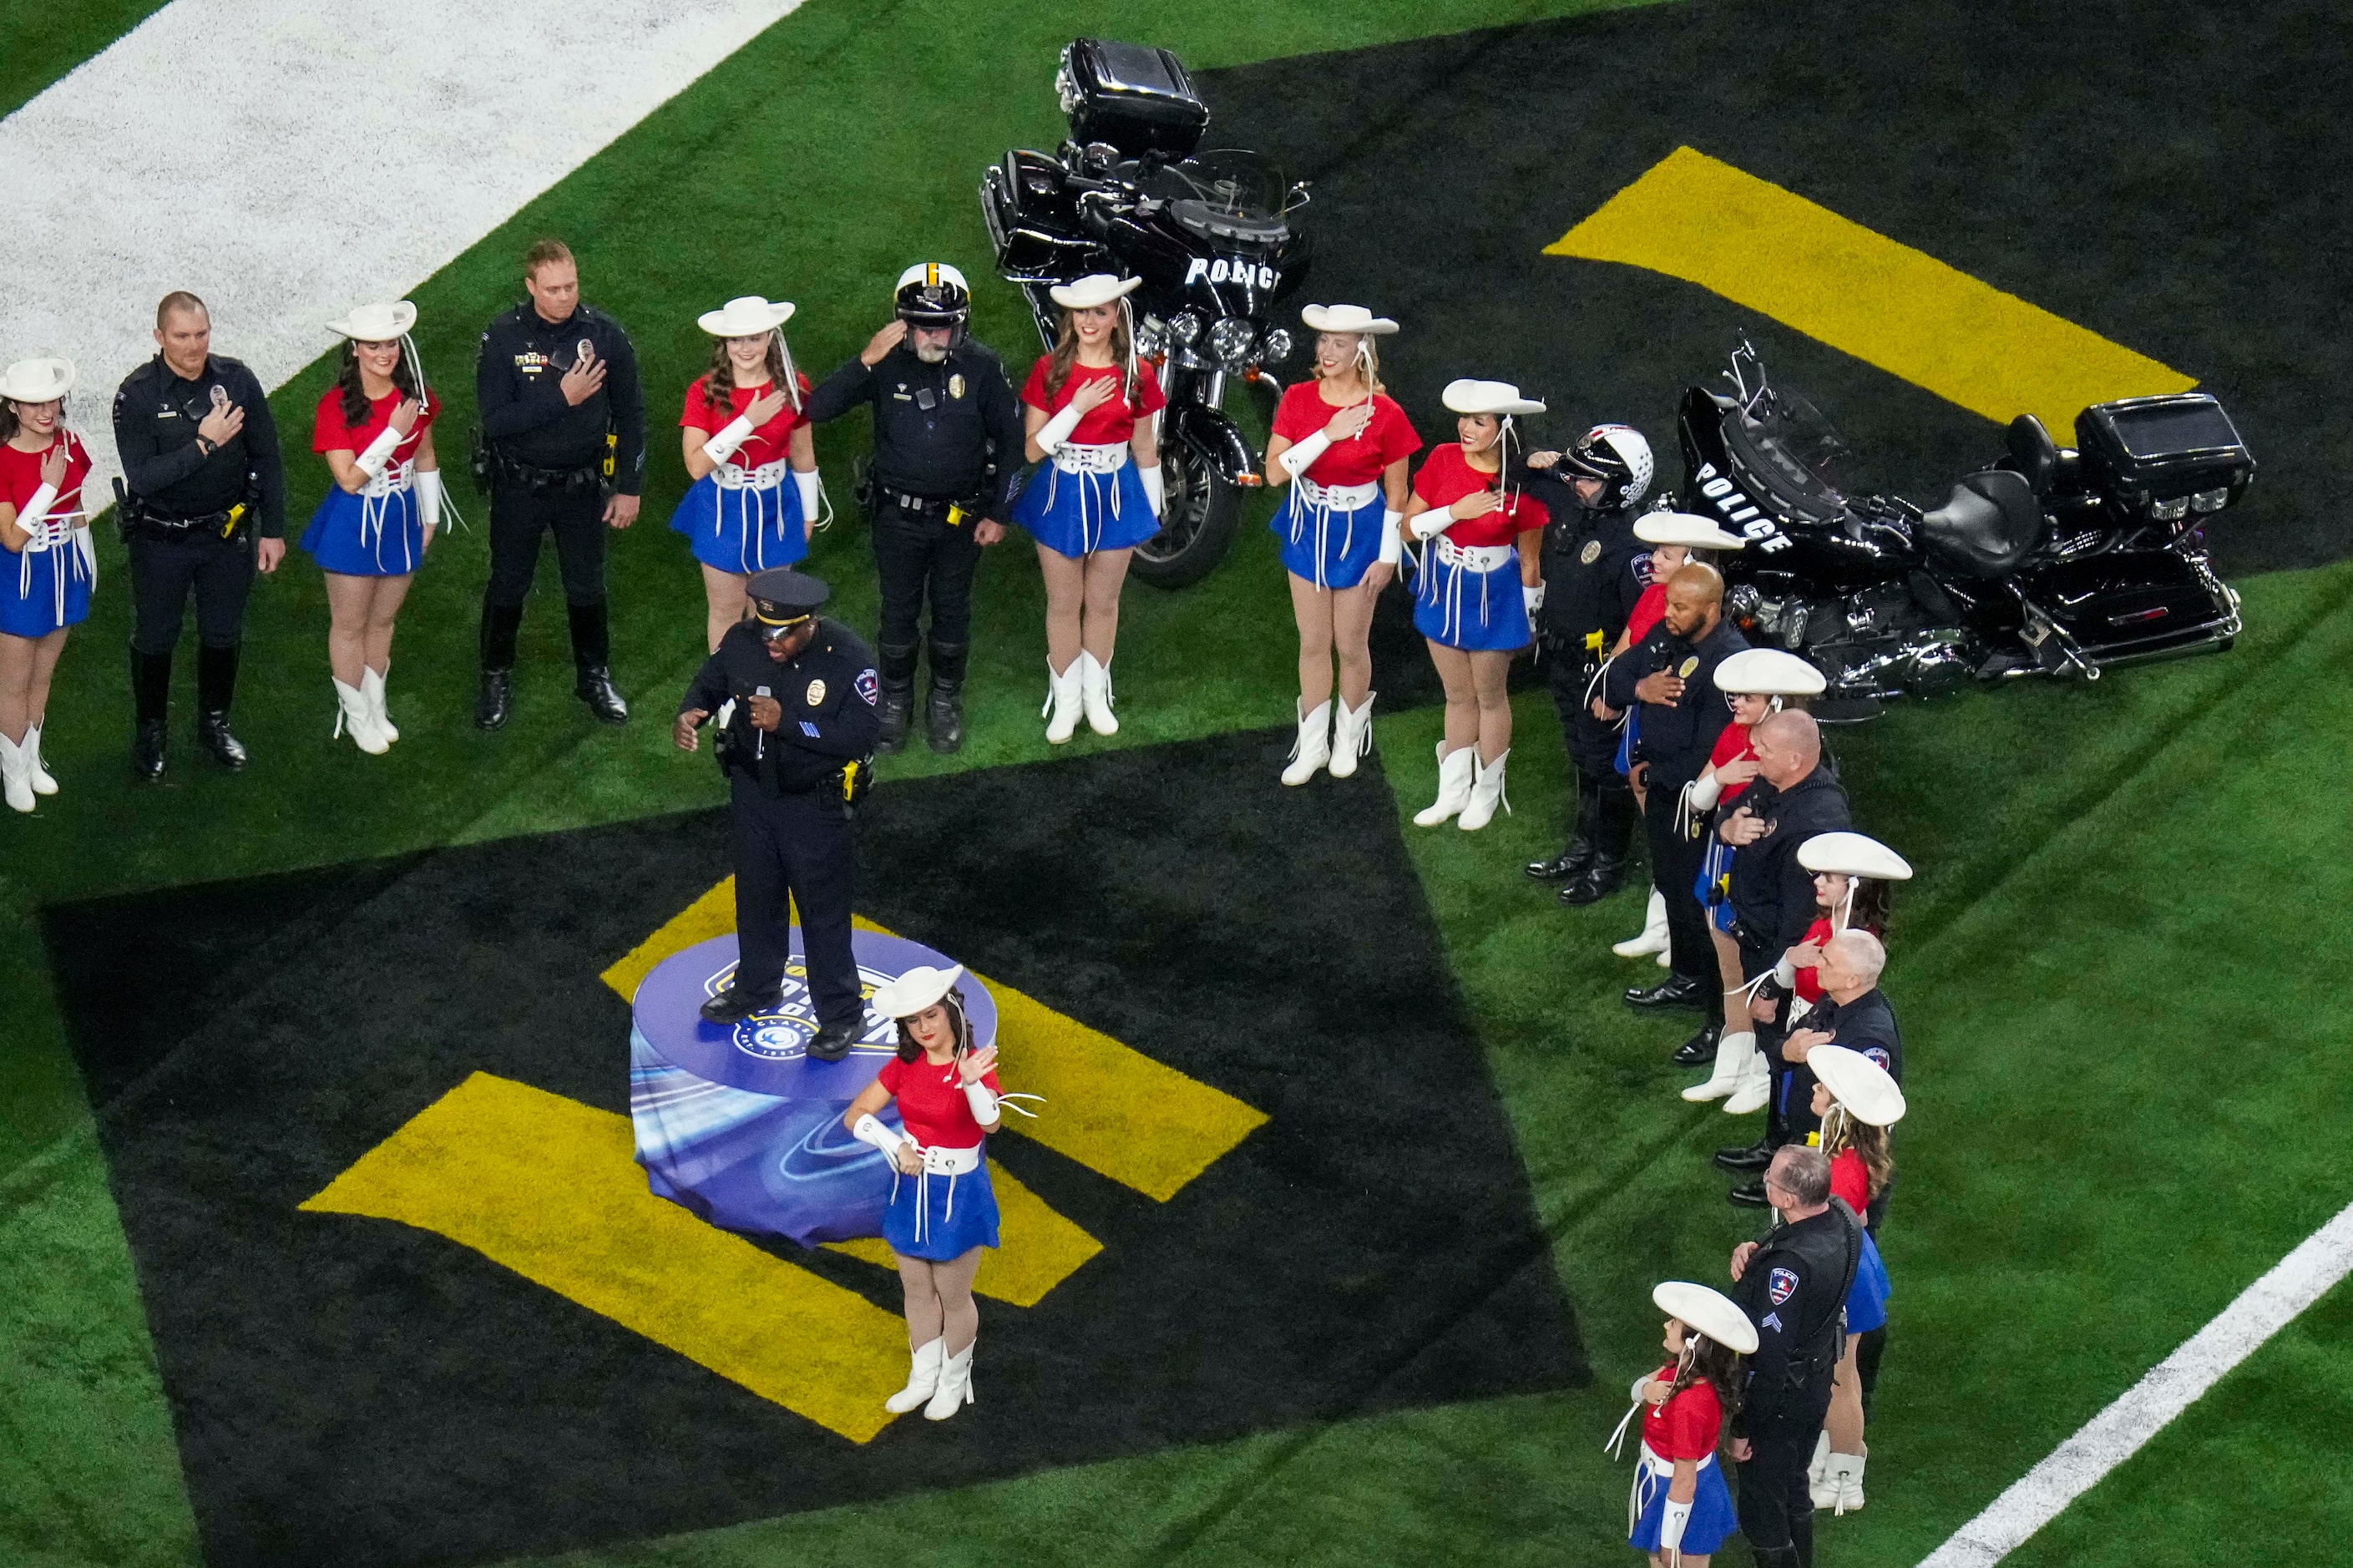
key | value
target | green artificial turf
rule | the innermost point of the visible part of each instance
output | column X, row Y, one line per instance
column 46, row 40
column 2119, row 972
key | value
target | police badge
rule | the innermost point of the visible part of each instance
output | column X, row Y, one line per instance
column 220, row 398
column 1684, row 670
column 587, row 351
column 1591, row 552
column 816, row 692
column 955, row 385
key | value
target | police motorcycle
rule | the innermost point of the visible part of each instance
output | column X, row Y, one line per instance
column 1131, row 192
column 2051, row 561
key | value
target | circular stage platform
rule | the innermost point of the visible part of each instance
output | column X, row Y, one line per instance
column 737, row 1123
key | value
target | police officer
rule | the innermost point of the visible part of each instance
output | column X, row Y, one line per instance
column 794, row 697
column 1671, row 674
column 947, row 445
column 1593, row 575
column 1793, row 1285
column 563, row 427
column 204, row 509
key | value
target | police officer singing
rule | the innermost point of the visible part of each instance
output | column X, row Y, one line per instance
column 943, row 413
column 200, row 462
column 564, row 426
column 794, row 697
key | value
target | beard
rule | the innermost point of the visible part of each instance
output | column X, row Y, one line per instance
column 932, row 353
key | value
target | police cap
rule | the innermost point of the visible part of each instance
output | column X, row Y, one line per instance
column 783, row 597
column 933, row 294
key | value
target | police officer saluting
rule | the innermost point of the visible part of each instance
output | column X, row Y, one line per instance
column 204, row 509
column 795, row 699
column 563, row 425
column 943, row 413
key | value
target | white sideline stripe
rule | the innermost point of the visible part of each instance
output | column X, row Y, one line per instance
column 2171, row 1387
column 304, row 159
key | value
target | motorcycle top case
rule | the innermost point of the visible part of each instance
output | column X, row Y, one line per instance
column 2153, row 449
column 1137, row 99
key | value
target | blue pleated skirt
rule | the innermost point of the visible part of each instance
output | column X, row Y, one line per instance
column 1077, row 514
column 953, row 1213
column 1328, row 547
column 1866, row 1301
column 43, row 590
column 1479, row 612
column 1711, row 888
column 742, row 530
column 1712, row 1519
column 366, row 536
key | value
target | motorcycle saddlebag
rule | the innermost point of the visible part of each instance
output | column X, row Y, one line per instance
column 1030, row 217
column 2134, row 604
column 1138, row 99
column 2144, row 449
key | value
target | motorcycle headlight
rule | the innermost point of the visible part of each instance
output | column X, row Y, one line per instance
column 1151, row 337
column 1184, row 326
column 1276, row 348
column 1229, row 340
column 2211, row 501
column 2172, row 511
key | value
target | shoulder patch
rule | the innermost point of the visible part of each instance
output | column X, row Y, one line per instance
column 1879, row 1054
column 1781, row 1284
column 868, row 686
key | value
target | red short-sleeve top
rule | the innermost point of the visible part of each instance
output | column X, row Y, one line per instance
column 1361, row 458
column 20, row 475
column 1733, row 745
column 1110, row 423
column 765, row 445
column 931, row 1103
column 1648, row 611
column 329, row 433
column 1447, row 476
column 1686, row 1426
column 1850, row 1179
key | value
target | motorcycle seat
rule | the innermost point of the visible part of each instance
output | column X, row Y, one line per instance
column 2048, row 467
column 1987, row 526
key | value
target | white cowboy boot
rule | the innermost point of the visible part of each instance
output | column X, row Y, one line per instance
column 372, row 687
column 922, row 1381
column 1313, row 747
column 1845, row 1474
column 1486, row 794
column 354, row 713
column 1755, row 1088
column 954, row 1390
column 1824, row 1495
column 1732, row 1054
column 1352, row 735
column 1061, row 709
column 1094, row 688
column 1454, row 785
column 37, row 774
column 15, row 778
column 1653, row 937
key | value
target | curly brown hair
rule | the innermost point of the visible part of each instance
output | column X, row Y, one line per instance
column 1871, row 1144
column 1715, row 1363
column 1066, row 356
column 909, row 1051
column 719, row 381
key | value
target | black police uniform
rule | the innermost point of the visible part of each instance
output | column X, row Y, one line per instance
column 189, row 518
column 938, row 428
column 1772, row 894
column 791, row 792
column 1675, row 739
column 551, row 466
column 1794, row 1290
column 1866, row 1025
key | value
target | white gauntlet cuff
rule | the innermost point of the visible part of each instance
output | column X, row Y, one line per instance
column 983, row 1100
column 1301, row 456
column 1153, row 490
column 1671, row 1526
column 373, row 461
column 733, row 434
column 1431, row 523
column 1392, row 540
column 867, row 1130
column 36, row 509
column 1786, row 971
column 1058, row 429
column 812, row 490
column 1705, row 790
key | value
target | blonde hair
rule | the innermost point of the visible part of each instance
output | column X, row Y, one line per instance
column 1368, row 362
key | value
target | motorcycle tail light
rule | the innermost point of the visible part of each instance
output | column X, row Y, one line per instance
column 2171, row 511
column 1229, row 340
column 1276, row 349
column 1184, row 326
column 2211, row 501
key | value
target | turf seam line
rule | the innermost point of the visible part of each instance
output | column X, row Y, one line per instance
column 2164, row 1392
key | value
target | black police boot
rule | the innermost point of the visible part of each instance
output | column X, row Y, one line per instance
column 216, row 688
column 1699, row 1050
column 151, row 695
column 1743, row 1158
column 1571, row 862
column 1750, row 1195
column 592, row 651
column 892, row 712
column 943, row 714
column 1674, row 991
column 735, row 1005
column 1613, row 836
column 500, row 624
column 832, row 1042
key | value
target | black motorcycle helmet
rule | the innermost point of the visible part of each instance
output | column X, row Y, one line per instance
column 934, row 294
column 1619, row 457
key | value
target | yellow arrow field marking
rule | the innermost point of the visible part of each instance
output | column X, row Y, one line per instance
column 1693, row 218
column 547, row 1186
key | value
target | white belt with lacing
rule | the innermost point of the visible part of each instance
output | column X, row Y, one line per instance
column 1482, row 561
column 1072, row 458
column 752, row 552
column 375, row 506
column 937, row 1162
column 766, row 477
column 1473, row 557
column 1320, row 502
column 58, row 531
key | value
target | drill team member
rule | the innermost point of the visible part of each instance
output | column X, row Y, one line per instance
column 745, row 428
column 1593, row 572
column 563, row 424
column 49, row 568
column 1681, row 1511
column 795, row 699
column 203, row 510
column 1856, row 1101
column 947, row 445
column 1793, row 1285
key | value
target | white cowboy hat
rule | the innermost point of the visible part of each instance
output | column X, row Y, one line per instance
column 1095, row 289
column 1347, row 319
column 1766, row 672
column 915, row 274
column 747, row 316
column 915, row 990
column 381, row 322
column 36, row 380
column 1711, row 1312
column 1683, row 528
column 1496, row 397
column 1858, row 1083
column 1852, row 854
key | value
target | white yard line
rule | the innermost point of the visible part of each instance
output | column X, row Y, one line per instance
column 288, row 161
column 2175, row 1383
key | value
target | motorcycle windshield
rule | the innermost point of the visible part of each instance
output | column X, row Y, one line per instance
column 1791, row 448
column 1224, row 182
